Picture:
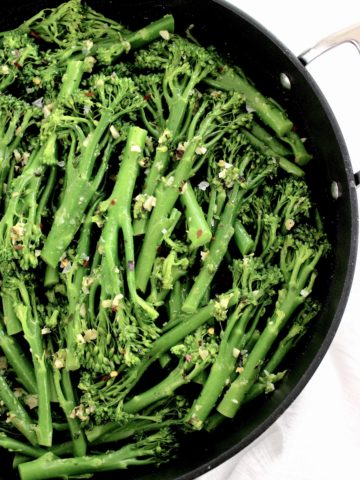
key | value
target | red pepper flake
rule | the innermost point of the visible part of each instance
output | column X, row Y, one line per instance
column 34, row 34
column 199, row 233
column 85, row 263
column 105, row 378
column 147, row 97
column 41, row 226
column 17, row 65
column 89, row 94
column 19, row 247
column 113, row 201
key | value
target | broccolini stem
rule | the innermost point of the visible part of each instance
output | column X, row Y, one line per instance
column 272, row 142
column 284, row 163
column 157, row 169
column 15, row 445
column 13, row 326
column 243, row 240
column 65, row 394
column 259, row 388
column 17, row 414
column 74, row 290
column 50, row 466
column 51, row 277
column 198, row 231
column 18, row 360
column 166, row 196
column 224, row 365
column 302, row 157
column 176, row 378
column 297, row 330
column 115, row 433
column 67, row 219
column 218, row 248
column 287, row 303
column 175, row 302
column 9, row 142
column 28, row 316
column 151, row 32
column 48, row 190
column 71, row 79
column 119, row 208
column 178, row 332
column 265, row 108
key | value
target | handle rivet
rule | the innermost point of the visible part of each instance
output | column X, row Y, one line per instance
column 285, row 81
column 335, row 190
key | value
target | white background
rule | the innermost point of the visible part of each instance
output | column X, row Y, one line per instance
column 318, row 437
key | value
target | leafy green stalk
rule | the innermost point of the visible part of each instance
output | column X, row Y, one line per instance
column 196, row 352
column 17, row 414
column 198, row 231
column 270, row 113
column 270, row 140
column 284, row 163
column 118, row 211
column 112, row 433
column 12, row 323
column 169, row 191
column 298, row 261
column 15, row 445
column 146, row 451
column 243, row 240
column 117, row 97
column 65, row 394
column 17, row 359
column 26, row 310
column 256, row 285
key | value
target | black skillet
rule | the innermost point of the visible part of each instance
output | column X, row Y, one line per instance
column 266, row 61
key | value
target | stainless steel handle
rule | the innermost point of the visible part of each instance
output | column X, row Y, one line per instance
column 347, row 35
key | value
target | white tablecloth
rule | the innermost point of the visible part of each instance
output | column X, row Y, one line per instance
column 318, row 437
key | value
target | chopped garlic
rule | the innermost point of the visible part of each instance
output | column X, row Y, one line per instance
column 106, row 303
column 201, row 150
column 31, row 401
column 90, row 334
column 4, row 69
column 236, row 352
column 289, row 223
column 204, row 254
column 149, row 203
column 203, row 185
column 114, row 132
column 117, row 300
column 164, row 34
column 17, row 155
column 135, row 148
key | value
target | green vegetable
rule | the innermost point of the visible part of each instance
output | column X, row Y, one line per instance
column 159, row 243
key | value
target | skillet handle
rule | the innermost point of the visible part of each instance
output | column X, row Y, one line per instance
column 347, row 35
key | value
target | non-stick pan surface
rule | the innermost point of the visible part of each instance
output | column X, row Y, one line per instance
column 264, row 59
